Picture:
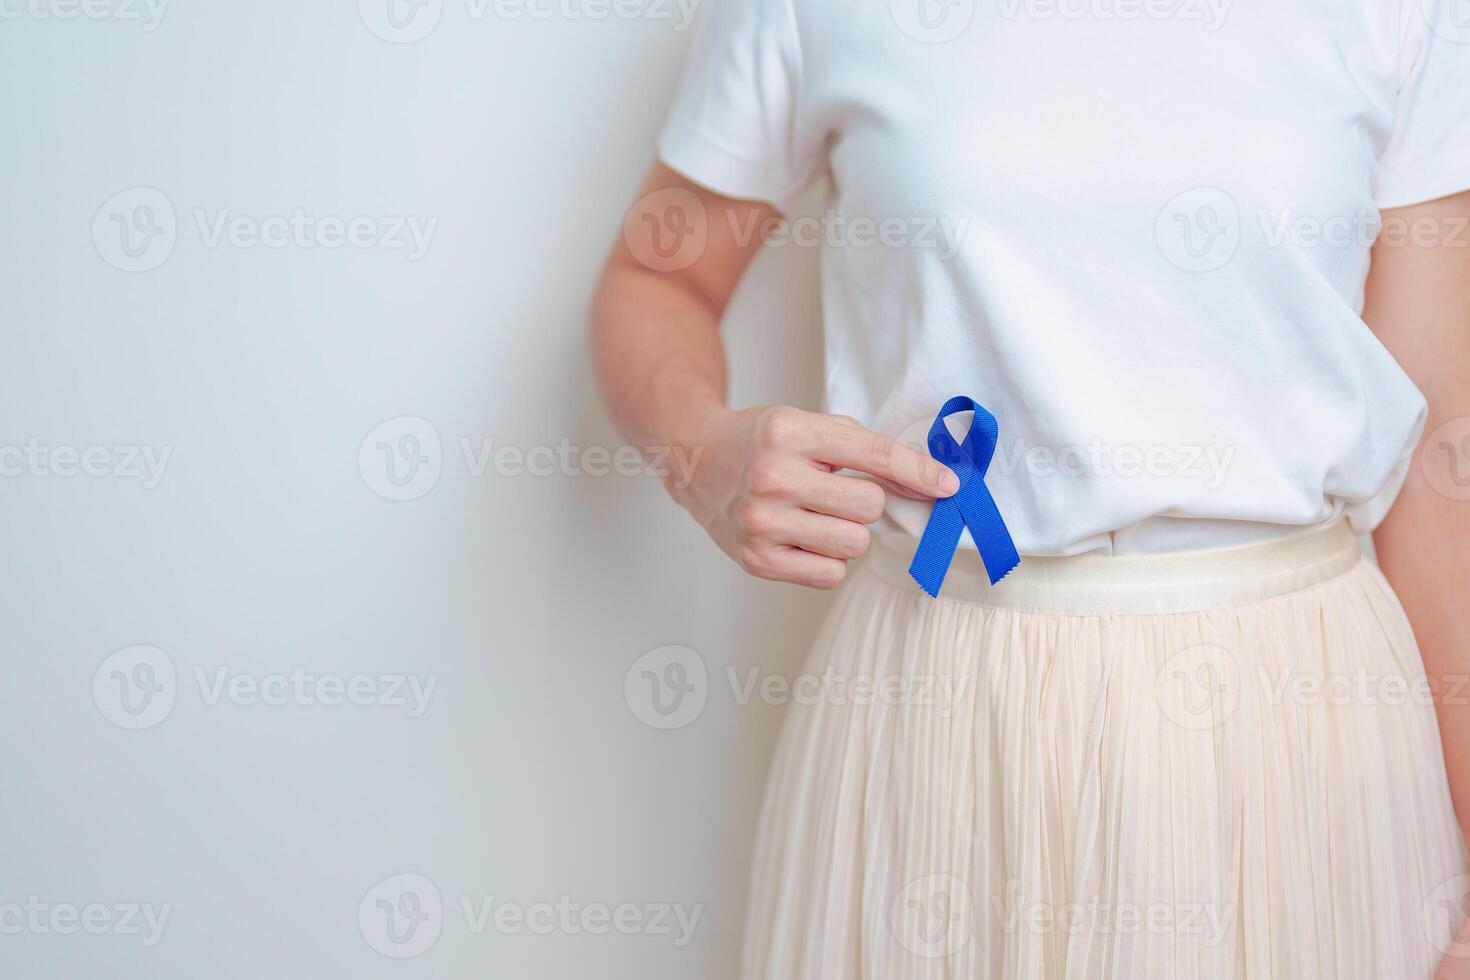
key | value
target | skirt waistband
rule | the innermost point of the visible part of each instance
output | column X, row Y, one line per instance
column 1094, row 585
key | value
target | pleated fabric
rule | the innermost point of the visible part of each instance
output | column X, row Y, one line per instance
column 1212, row 766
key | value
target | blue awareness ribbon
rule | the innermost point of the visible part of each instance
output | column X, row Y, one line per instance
column 972, row 506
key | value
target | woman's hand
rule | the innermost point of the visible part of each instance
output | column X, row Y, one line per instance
column 764, row 485
column 762, row 481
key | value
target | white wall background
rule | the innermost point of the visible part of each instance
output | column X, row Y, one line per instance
column 265, row 547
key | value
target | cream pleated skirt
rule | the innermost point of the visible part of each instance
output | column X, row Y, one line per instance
column 1211, row 765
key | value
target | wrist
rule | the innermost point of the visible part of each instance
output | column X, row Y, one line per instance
column 688, row 422
column 685, row 439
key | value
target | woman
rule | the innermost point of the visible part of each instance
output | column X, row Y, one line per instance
column 1191, row 735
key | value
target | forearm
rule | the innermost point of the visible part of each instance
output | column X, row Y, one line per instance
column 658, row 355
column 1418, row 302
column 1424, row 549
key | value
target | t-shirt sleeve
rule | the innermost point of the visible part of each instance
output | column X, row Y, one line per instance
column 1428, row 151
column 736, row 123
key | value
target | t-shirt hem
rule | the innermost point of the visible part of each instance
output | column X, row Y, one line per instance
column 712, row 166
column 1438, row 176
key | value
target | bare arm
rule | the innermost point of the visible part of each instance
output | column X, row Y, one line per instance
column 1418, row 302
column 763, row 481
column 655, row 331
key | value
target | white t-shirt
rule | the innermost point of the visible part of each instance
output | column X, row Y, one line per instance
column 1136, row 230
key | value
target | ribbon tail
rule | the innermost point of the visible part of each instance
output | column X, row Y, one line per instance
column 937, row 546
column 992, row 537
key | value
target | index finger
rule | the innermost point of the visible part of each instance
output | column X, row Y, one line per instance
column 874, row 453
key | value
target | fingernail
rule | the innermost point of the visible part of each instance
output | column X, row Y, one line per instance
column 949, row 483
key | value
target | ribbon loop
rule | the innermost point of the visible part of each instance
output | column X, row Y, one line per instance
column 971, row 507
